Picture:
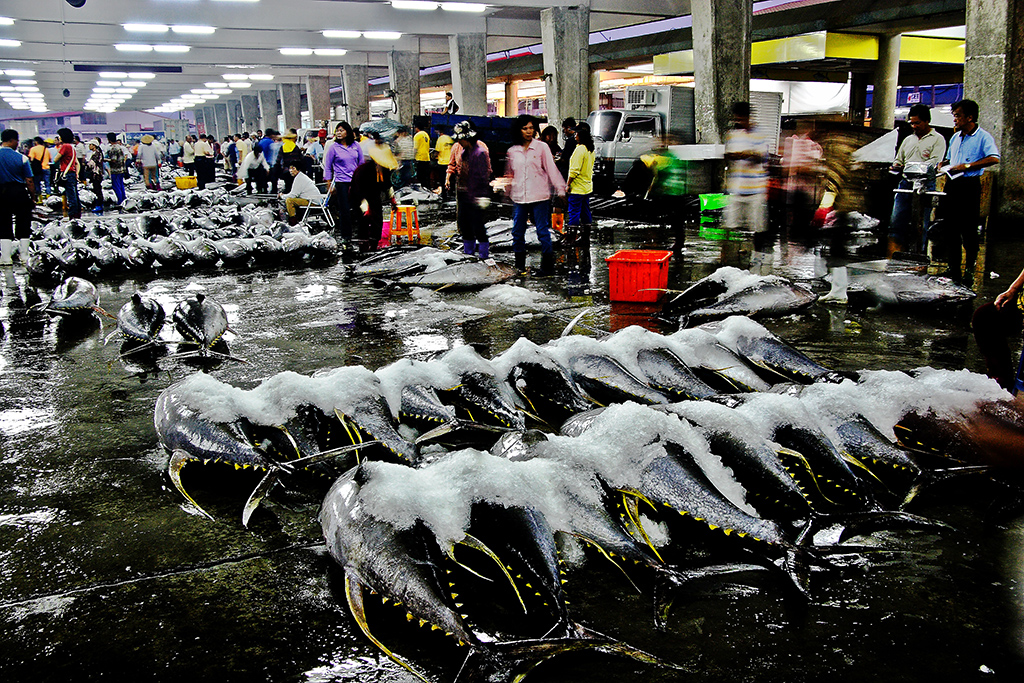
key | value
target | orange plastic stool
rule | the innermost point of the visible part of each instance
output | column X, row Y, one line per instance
column 411, row 228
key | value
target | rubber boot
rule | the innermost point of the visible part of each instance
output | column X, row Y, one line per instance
column 840, row 280
column 469, row 247
column 5, row 252
column 23, row 249
column 484, row 250
column 521, row 262
column 547, row 265
column 968, row 278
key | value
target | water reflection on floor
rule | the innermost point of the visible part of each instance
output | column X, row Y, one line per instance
column 104, row 572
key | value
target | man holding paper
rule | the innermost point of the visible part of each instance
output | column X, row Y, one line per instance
column 971, row 150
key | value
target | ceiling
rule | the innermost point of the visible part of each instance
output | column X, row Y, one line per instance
column 68, row 48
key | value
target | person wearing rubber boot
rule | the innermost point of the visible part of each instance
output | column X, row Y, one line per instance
column 472, row 169
column 580, row 187
column 17, row 192
column 971, row 150
column 531, row 175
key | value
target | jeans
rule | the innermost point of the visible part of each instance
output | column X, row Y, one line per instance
column 117, row 184
column 71, row 194
column 541, row 214
column 579, row 209
column 900, row 221
column 470, row 218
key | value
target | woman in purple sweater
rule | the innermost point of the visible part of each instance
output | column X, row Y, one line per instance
column 341, row 160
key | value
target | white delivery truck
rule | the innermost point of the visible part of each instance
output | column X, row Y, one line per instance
column 658, row 115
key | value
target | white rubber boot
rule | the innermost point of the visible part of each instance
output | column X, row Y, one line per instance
column 23, row 246
column 840, row 280
column 5, row 252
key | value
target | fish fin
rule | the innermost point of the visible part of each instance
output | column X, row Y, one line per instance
column 929, row 477
column 572, row 324
column 258, row 494
column 330, row 454
column 178, row 460
column 453, row 425
column 608, row 557
column 475, row 543
column 354, row 595
column 802, row 459
column 512, row 661
column 140, row 348
column 671, row 579
column 630, row 502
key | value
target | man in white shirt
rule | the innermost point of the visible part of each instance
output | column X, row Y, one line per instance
column 747, row 183
column 303, row 192
column 926, row 146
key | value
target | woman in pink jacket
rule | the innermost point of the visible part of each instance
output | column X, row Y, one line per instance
column 533, row 175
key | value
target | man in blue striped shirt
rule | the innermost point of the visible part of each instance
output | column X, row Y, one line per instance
column 971, row 150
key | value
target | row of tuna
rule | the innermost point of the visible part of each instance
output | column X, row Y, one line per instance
column 118, row 246
column 475, row 485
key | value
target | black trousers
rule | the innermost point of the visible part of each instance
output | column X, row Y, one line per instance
column 961, row 210
column 15, row 203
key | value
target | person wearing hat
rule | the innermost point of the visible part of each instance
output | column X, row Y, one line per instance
column 95, row 164
column 341, row 160
column 149, row 157
column 291, row 153
column 371, row 187
column 302, row 193
column 471, row 162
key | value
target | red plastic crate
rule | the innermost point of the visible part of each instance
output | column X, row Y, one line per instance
column 633, row 270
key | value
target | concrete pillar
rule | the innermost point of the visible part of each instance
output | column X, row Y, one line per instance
column 721, row 64
column 887, row 73
column 200, row 120
column 268, row 109
column 250, row 113
column 235, row 116
column 354, row 82
column 223, row 124
column 318, row 97
column 468, row 52
column 595, row 91
column 858, row 98
column 565, row 36
column 994, row 78
column 210, row 115
column 291, row 104
column 404, row 72
column 511, row 98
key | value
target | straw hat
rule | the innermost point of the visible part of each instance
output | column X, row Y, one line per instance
column 146, row 139
column 290, row 136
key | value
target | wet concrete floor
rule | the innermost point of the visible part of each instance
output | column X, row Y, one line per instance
column 106, row 573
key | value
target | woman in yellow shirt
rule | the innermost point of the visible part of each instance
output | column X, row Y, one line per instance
column 581, row 182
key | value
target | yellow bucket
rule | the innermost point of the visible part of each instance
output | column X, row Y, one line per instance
column 185, row 182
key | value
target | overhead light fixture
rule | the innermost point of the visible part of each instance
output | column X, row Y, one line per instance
column 26, row 88
column 463, row 7
column 215, row 84
column 194, row 30
column 6, row 88
column 134, row 84
column 103, row 90
column 135, row 74
column 145, row 28
column 260, row 77
column 296, row 51
column 211, row 97
column 20, row 72
column 330, row 33
column 133, row 47
column 200, row 91
column 6, row 21
column 109, row 84
column 171, row 48
column 329, row 52
column 221, row 91
column 413, row 4
column 382, row 35
column 7, row 42
column 240, row 84
column 113, row 74
column 234, row 77
column 22, row 81
column 126, row 91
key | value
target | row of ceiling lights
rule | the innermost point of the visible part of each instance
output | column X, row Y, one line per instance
column 22, row 92
column 212, row 91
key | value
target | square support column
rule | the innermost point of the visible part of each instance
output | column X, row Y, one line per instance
column 994, row 78
column 318, row 96
column 404, row 74
column 565, row 36
column 268, row 109
column 223, row 124
column 210, row 116
column 354, row 82
column 291, row 104
column 887, row 74
column 468, row 52
column 250, row 113
column 721, row 64
column 200, row 120
column 511, row 98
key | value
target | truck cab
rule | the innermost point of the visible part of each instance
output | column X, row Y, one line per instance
column 622, row 135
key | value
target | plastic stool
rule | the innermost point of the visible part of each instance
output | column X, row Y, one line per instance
column 411, row 227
